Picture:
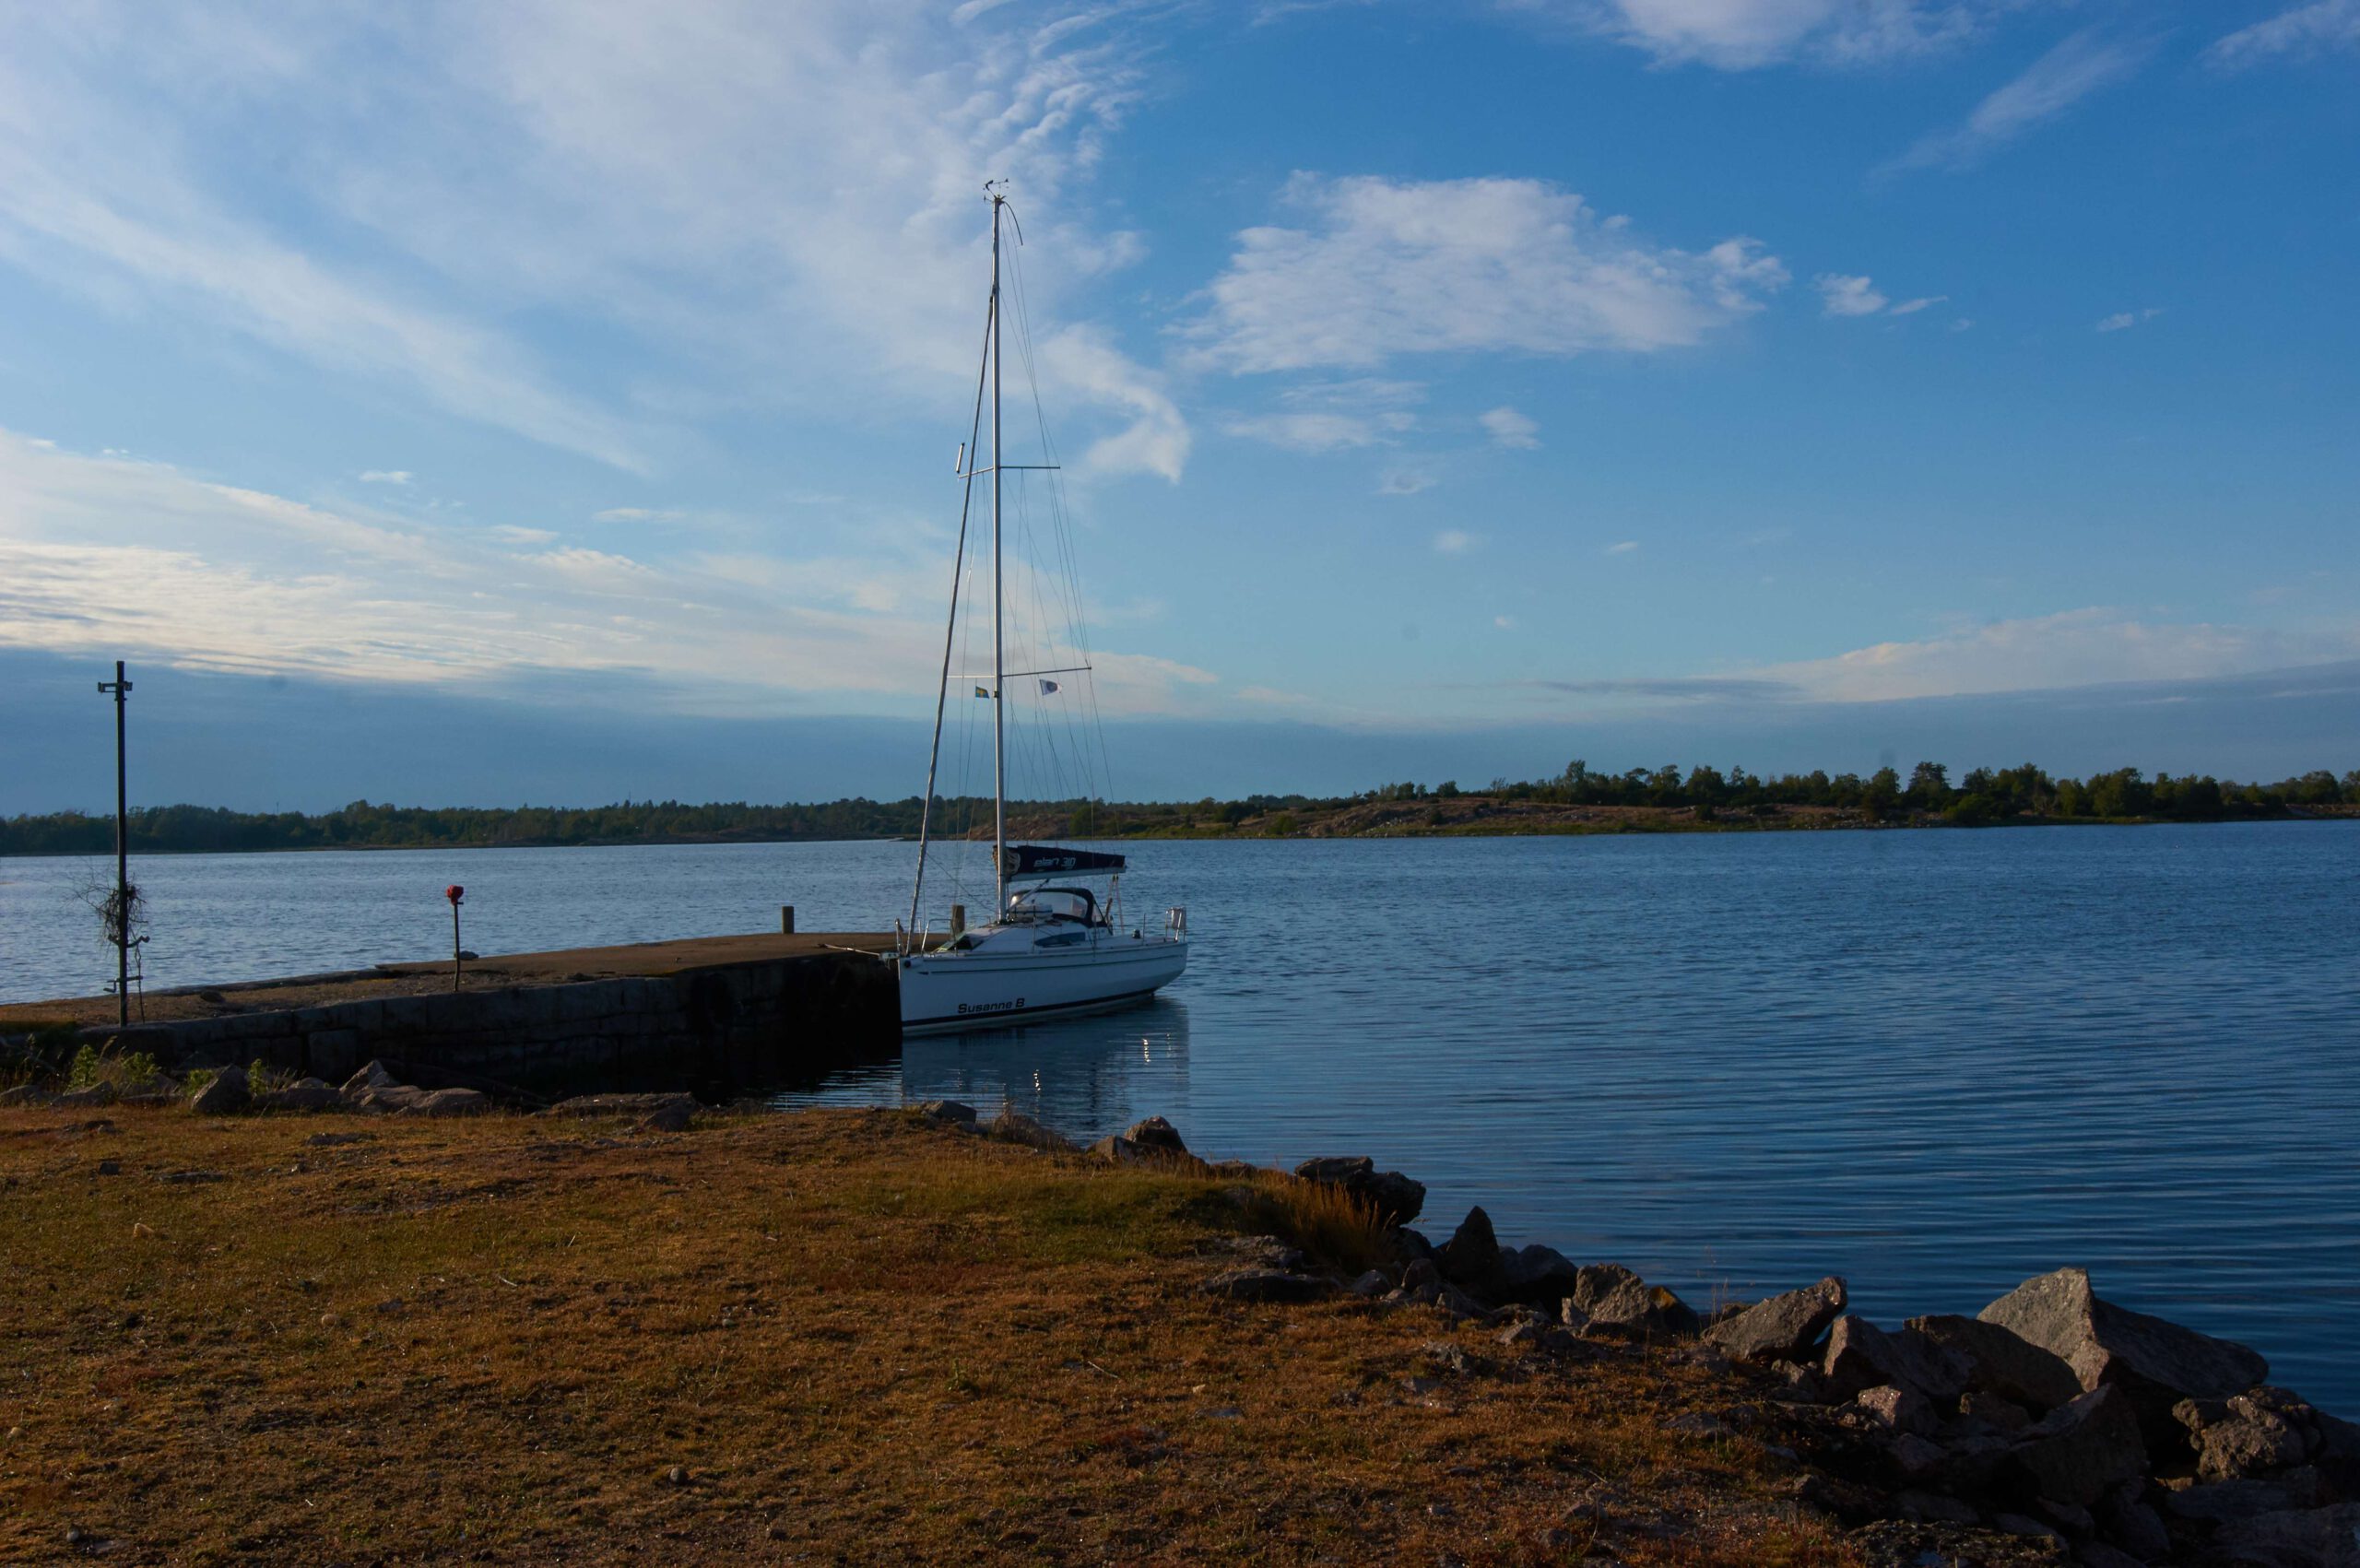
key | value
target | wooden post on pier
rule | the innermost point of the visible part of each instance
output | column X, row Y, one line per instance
column 787, row 920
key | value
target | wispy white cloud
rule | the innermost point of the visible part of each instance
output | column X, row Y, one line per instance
column 1454, row 541
column 1842, row 296
column 1624, row 547
column 101, row 552
column 385, row 477
column 1510, row 428
column 2079, row 647
column 2298, row 33
column 1383, row 269
column 2080, row 66
column 2122, row 319
column 1309, row 430
column 638, row 515
column 1911, row 307
column 1744, row 34
column 608, row 163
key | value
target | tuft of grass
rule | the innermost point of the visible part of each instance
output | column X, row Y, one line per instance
column 1327, row 1223
column 125, row 1071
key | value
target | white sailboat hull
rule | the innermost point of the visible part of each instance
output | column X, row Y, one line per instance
column 945, row 992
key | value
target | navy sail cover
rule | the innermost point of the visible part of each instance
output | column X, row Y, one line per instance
column 1044, row 860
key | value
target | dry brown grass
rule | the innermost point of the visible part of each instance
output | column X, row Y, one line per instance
column 862, row 1338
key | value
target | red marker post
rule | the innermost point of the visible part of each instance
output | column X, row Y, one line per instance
column 455, row 893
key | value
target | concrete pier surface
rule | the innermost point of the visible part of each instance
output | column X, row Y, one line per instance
column 714, row 1013
column 492, row 972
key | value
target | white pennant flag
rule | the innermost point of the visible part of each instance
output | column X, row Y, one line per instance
column 1047, row 687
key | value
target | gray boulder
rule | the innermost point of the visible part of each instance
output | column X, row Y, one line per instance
column 2082, row 1449
column 2002, row 1361
column 225, row 1094
column 1395, row 1196
column 1537, row 1275
column 1898, row 1409
column 1861, row 1355
column 1267, row 1285
column 1781, row 1329
column 1010, row 1127
column 305, row 1094
column 2155, row 1363
column 373, row 1076
column 1117, row 1149
column 1610, row 1299
column 948, row 1111
column 1471, row 1259
column 2220, row 1501
column 1157, row 1134
column 2310, row 1538
column 448, row 1102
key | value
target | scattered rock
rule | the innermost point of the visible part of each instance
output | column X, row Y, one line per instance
column 1372, row 1284
column 2251, row 1441
column 1395, row 1196
column 1898, row 1409
column 225, row 1094
column 1783, row 1327
column 2098, row 1554
column 79, row 1098
column 2124, row 1515
column 109, row 1168
column 373, row 1076
column 1895, row 1543
column 452, row 1102
column 1157, row 1134
column 1919, row 1456
column 304, row 1094
column 2221, row 1502
column 2155, row 1363
column 1999, row 1414
column 1010, row 1127
column 2023, row 1525
column 1471, row 1259
column 2081, row 1449
column 2002, row 1361
column 1609, row 1298
column 1117, row 1149
column 2310, row 1538
column 1861, row 1355
column 671, row 1118
column 948, row 1111
column 677, row 1475
column 1267, row 1285
column 1536, row 1275
column 1930, row 1507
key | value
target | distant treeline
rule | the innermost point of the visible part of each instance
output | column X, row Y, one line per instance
column 1983, row 795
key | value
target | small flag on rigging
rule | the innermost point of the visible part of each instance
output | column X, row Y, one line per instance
column 982, row 690
column 1047, row 687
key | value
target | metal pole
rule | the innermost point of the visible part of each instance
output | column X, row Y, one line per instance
column 455, row 944
column 999, row 700
column 119, row 925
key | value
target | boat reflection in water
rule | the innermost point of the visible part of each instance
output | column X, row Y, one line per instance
column 1084, row 1077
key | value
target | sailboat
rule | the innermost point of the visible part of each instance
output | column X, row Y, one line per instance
column 1056, row 945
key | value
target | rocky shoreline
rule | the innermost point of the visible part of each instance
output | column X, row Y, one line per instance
column 2053, row 1426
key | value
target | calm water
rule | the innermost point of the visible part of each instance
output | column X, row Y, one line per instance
column 1936, row 1062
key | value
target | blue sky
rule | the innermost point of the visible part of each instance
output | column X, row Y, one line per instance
column 1563, row 375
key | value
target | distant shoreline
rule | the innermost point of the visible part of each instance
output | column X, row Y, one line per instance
column 1461, row 817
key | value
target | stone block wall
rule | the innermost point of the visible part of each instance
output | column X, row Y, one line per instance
column 712, row 1028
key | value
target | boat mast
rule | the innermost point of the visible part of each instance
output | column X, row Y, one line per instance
column 1000, row 718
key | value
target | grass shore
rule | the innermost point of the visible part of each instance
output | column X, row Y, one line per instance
column 844, row 1335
